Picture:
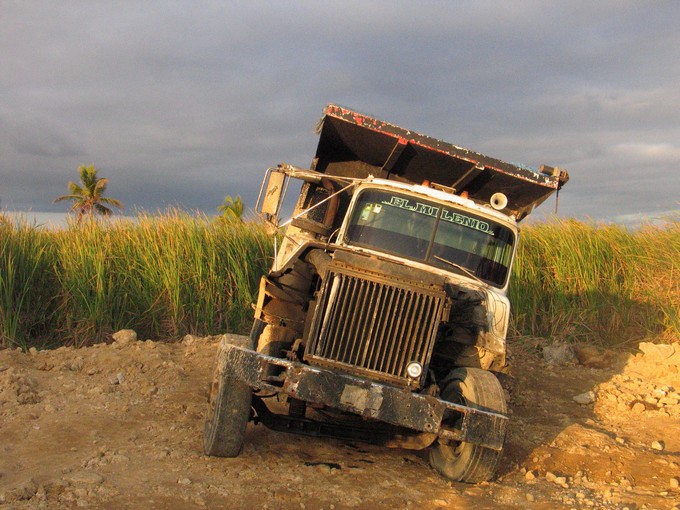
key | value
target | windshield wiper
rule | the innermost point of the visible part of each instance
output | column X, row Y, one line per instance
column 461, row 268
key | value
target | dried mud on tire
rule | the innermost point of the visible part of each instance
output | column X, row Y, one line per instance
column 121, row 426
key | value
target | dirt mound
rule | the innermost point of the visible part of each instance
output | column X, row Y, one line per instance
column 120, row 426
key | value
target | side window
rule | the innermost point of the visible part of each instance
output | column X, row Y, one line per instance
column 321, row 204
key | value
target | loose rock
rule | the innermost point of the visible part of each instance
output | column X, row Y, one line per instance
column 590, row 356
column 660, row 352
column 117, row 379
column 125, row 336
column 658, row 445
column 585, row 398
column 20, row 492
column 84, row 477
column 558, row 354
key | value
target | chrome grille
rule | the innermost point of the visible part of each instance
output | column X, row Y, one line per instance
column 368, row 325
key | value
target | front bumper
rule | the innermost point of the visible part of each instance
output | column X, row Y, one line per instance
column 396, row 406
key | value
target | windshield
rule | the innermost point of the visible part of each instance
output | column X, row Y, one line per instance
column 437, row 234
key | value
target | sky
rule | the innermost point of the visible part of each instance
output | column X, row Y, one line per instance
column 181, row 103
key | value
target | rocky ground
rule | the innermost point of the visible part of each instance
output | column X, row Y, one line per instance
column 120, row 426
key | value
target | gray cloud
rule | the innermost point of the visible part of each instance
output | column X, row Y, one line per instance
column 182, row 103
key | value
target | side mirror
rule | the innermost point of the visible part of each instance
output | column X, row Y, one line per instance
column 271, row 194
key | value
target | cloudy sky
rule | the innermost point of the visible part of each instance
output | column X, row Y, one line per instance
column 182, row 103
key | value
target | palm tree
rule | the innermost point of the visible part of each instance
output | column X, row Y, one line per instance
column 88, row 199
column 231, row 209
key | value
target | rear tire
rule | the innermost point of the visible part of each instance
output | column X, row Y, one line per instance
column 466, row 462
column 229, row 410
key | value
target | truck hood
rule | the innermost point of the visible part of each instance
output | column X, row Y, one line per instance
column 353, row 144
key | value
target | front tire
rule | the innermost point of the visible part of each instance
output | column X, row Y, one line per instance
column 229, row 409
column 461, row 461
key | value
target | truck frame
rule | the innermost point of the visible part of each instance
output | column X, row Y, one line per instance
column 384, row 315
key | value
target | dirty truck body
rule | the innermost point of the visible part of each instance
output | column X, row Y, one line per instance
column 385, row 314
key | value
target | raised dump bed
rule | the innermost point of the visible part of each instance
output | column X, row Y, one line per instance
column 353, row 144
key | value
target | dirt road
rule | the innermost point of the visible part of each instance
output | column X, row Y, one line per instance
column 120, row 426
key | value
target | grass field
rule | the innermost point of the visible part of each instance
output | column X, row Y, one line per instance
column 163, row 276
column 598, row 283
column 174, row 273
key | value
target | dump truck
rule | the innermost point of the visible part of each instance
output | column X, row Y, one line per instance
column 384, row 315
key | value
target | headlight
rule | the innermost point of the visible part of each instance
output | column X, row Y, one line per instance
column 414, row 370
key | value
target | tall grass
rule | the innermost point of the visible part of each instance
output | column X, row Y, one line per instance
column 26, row 283
column 171, row 274
column 163, row 276
column 602, row 283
